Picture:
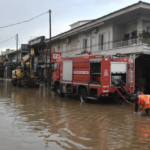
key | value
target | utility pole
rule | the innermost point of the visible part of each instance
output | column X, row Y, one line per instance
column 46, row 67
column 17, row 48
column 50, row 34
column 50, row 54
column 49, row 47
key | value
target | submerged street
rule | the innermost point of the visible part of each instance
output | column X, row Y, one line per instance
column 35, row 119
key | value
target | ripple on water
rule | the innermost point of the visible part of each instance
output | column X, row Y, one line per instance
column 37, row 119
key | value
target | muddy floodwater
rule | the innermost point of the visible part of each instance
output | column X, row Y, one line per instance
column 35, row 119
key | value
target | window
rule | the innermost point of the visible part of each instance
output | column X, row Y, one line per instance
column 55, row 49
column 84, row 44
column 55, row 66
column 101, row 41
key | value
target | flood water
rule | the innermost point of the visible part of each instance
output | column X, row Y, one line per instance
column 35, row 119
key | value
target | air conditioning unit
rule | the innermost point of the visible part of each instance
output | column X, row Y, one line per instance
column 95, row 30
column 68, row 40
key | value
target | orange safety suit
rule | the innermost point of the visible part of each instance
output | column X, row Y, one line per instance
column 144, row 101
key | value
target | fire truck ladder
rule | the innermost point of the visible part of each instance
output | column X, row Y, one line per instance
column 132, row 72
column 126, row 90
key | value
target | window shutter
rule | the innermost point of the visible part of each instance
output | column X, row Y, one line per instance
column 64, row 47
column 100, row 42
column 89, row 44
column 96, row 47
column 83, row 43
column 93, row 44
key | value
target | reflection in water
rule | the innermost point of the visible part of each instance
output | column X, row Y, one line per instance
column 34, row 118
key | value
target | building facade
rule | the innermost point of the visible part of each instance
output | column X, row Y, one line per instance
column 119, row 31
column 126, row 31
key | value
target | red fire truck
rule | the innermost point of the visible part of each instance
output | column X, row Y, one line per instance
column 94, row 76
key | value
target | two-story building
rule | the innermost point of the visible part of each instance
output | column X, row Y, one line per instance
column 125, row 31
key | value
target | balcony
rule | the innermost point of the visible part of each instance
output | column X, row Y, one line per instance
column 127, row 42
column 42, row 60
column 125, row 46
column 11, row 63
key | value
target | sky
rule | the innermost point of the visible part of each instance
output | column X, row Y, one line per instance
column 64, row 13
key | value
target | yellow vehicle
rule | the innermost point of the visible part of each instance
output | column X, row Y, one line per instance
column 24, row 76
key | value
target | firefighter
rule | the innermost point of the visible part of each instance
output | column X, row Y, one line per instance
column 144, row 101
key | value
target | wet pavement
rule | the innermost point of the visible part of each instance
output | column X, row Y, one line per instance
column 35, row 119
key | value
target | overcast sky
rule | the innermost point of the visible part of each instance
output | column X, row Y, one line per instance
column 64, row 13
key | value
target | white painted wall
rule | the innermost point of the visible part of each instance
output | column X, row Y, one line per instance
column 119, row 32
column 107, row 31
column 131, row 27
column 64, row 47
column 145, row 25
column 93, row 38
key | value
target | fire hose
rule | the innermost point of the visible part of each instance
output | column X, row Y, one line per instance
column 122, row 96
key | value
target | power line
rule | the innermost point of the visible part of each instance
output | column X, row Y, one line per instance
column 7, row 40
column 24, row 21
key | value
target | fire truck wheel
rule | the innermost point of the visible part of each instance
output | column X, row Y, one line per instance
column 58, row 93
column 82, row 95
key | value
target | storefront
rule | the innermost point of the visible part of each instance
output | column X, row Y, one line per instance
column 39, row 46
column 142, row 73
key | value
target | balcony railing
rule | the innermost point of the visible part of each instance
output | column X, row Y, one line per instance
column 128, row 42
column 42, row 60
column 108, row 46
column 12, row 62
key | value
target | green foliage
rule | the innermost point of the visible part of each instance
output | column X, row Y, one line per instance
column 145, row 35
column 142, row 81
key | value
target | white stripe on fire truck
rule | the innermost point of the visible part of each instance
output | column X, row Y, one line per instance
column 94, row 85
column 80, row 72
column 105, row 86
column 80, row 83
column 66, row 82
